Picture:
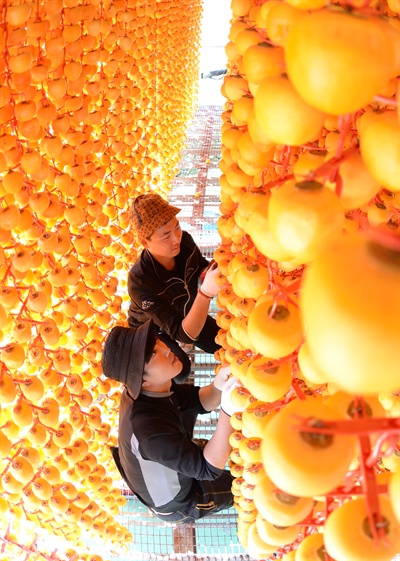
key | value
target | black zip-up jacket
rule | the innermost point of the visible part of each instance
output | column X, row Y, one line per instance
column 159, row 460
column 166, row 296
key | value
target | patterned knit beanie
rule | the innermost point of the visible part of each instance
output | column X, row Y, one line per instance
column 150, row 212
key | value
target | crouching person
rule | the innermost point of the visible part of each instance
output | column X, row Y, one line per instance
column 178, row 480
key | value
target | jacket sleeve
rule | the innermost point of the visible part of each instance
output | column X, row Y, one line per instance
column 188, row 397
column 146, row 292
column 145, row 305
column 163, row 440
column 203, row 262
column 179, row 453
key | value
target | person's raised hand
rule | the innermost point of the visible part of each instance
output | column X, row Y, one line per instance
column 222, row 377
column 226, row 404
column 209, row 287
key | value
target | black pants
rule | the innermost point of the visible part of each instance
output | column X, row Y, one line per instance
column 205, row 341
column 209, row 497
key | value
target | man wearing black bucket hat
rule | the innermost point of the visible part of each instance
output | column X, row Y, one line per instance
column 163, row 283
column 178, row 480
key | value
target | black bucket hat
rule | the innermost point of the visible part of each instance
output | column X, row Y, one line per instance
column 125, row 352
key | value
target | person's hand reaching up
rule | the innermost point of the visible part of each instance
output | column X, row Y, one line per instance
column 222, row 377
column 226, row 404
column 209, row 287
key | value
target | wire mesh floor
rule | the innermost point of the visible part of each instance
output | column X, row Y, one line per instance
column 196, row 192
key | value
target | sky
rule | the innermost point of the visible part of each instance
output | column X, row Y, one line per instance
column 215, row 30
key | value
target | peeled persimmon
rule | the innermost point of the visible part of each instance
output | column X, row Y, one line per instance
column 13, row 355
column 10, row 484
column 37, row 301
column 262, row 61
column 32, row 388
column 253, row 154
column 268, row 382
column 22, row 260
column 303, row 217
column 254, row 418
column 25, row 111
column 257, row 133
column 21, row 413
column 231, row 136
column 276, row 535
column 337, row 61
column 48, row 412
column 241, row 8
column 21, row 469
column 280, row 19
column 302, row 461
column 37, row 435
column 9, row 217
column 308, row 367
column 311, row 547
column 380, row 148
column 7, row 389
column 360, row 543
column 248, row 203
column 275, row 329
column 259, row 230
column 283, row 115
column 256, row 546
column 31, row 161
column 352, row 408
column 278, row 507
column 358, row 185
column 18, row 14
column 242, row 108
column 251, row 280
column 41, row 488
column 350, row 302
column 235, row 87
column 307, row 163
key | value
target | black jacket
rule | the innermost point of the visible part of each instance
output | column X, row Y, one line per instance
column 158, row 458
column 166, row 296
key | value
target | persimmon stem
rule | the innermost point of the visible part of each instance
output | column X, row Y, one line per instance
column 333, row 163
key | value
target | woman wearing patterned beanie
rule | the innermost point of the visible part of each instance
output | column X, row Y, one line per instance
column 163, row 284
